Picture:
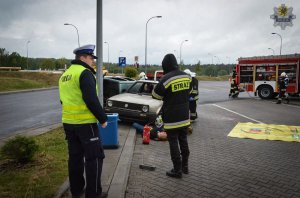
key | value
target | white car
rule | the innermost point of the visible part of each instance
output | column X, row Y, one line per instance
column 137, row 104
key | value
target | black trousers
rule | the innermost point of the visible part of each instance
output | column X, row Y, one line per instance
column 282, row 94
column 85, row 151
column 193, row 109
column 179, row 154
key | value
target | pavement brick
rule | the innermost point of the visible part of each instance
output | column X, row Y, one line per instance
column 219, row 166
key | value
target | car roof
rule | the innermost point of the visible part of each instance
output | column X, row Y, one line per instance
column 119, row 78
column 148, row 81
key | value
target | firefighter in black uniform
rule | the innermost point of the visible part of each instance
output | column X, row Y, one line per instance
column 174, row 88
column 81, row 110
column 283, row 82
column 234, row 89
column 194, row 95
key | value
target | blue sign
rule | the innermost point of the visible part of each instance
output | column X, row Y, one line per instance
column 122, row 61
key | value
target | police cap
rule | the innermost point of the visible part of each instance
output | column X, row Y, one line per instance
column 86, row 49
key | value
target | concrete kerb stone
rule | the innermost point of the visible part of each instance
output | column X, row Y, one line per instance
column 32, row 132
column 118, row 185
column 27, row 90
column 119, row 182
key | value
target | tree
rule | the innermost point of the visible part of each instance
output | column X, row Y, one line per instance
column 222, row 72
column 210, row 71
column 130, row 72
column 14, row 59
column 48, row 64
column 198, row 68
column 60, row 63
column 3, row 57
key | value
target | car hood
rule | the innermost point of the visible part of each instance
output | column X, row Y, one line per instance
column 138, row 99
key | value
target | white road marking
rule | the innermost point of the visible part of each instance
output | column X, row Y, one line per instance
column 237, row 113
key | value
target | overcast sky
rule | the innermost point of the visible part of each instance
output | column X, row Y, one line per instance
column 216, row 30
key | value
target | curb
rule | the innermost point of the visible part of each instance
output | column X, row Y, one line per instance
column 119, row 182
column 27, row 90
column 118, row 185
column 32, row 132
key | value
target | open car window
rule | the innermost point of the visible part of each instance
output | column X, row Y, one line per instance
column 135, row 88
column 141, row 88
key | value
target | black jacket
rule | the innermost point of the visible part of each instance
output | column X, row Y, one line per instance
column 283, row 83
column 174, row 89
column 194, row 86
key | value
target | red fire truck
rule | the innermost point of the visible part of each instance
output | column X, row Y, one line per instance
column 260, row 74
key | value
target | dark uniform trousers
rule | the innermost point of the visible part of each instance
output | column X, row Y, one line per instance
column 193, row 109
column 84, row 143
column 180, row 155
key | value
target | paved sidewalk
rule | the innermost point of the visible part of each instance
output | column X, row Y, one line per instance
column 116, row 166
column 220, row 166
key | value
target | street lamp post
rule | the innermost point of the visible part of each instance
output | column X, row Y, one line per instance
column 76, row 30
column 146, row 41
column 27, row 54
column 107, row 53
column 180, row 50
column 272, row 50
column 280, row 40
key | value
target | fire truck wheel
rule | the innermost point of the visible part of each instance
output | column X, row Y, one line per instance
column 265, row 92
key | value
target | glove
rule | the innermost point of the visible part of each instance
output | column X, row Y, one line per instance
column 191, row 99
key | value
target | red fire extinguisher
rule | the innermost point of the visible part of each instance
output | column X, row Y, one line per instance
column 146, row 134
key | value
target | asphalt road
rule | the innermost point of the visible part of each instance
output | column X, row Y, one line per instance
column 20, row 112
column 248, row 106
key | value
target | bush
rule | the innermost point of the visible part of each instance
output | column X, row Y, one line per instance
column 20, row 149
column 130, row 72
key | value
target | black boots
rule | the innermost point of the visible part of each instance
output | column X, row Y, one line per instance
column 173, row 173
column 185, row 169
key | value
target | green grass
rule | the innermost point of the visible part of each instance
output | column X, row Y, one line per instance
column 12, row 81
column 43, row 176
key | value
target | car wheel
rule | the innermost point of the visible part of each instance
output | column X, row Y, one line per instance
column 265, row 92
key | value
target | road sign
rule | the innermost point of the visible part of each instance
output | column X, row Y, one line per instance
column 122, row 61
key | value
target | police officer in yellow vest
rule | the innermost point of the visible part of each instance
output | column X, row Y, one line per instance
column 174, row 88
column 81, row 110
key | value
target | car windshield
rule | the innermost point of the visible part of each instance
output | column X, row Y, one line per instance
column 141, row 88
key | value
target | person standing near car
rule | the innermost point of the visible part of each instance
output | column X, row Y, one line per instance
column 174, row 88
column 283, row 82
column 81, row 110
column 194, row 95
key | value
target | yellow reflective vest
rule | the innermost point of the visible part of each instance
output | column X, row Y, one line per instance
column 74, row 109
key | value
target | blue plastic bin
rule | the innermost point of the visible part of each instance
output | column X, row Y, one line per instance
column 110, row 135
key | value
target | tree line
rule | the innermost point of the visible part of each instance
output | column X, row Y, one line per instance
column 14, row 59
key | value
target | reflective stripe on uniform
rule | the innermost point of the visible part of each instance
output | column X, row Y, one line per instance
column 78, row 116
column 175, row 125
column 193, row 114
column 176, row 79
column 155, row 95
column 196, row 97
column 194, row 91
column 77, row 107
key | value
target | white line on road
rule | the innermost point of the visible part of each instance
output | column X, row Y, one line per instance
column 237, row 113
